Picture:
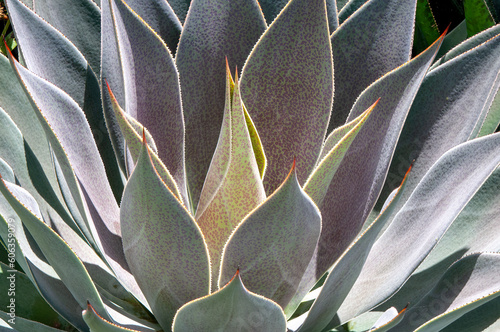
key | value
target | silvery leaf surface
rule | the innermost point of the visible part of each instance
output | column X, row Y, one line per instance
column 155, row 226
column 232, row 308
column 374, row 40
column 287, row 87
column 436, row 202
column 358, row 181
column 273, row 245
column 212, row 32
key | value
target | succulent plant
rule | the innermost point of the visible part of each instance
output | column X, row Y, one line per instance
column 217, row 165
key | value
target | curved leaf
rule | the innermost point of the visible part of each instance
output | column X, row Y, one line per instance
column 152, row 91
column 434, row 205
column 318, row 183
column 359, row 179
column 163, row 244
column 467, row 284
column 71, row 141
column 382, row 33
column 432, row 127
column 233, row 187
column 478, row 16
column 346, row 270
column 212, row 32
column 99, row 324
column 274, row 244
column 71, row 18
column 232, row 308
column 287, row 86
column 390, row 318
column 59, row 255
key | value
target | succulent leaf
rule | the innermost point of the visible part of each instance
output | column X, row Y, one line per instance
column 360, row 177
column 390, row 318
column 80, row 22
column 59, row 255
column 235, row 187
column 274, row 244
column 467, row 284
column 161, row 18
column 26, row 325
column 319, row 182
column 232, row 308
column 474, row 230
column 77, row 155
column 99, row 324
column 287, row 87
column 346, row 270
column 154, row 226
column 431, row 128
column 217, row 30
column 152, row 89
column 383, row 40
column 131, row 131
column 478, row 16
column 444, row 191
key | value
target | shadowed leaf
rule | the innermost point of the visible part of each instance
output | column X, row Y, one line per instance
column 382, row 33
column 358, row 181
column 434, row 205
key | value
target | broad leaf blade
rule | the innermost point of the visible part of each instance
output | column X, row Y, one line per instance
column 212, row 32
column 152, row 89
column 346, row 270
column 467, row 284
column 381, row 33
column 359, row 179
column 287, row 86
column 240, row 188
column 164, row 247
column 274, row 244
column 319, row 182
column 477, row 16
column 77, row 155
column 233, row 308
column 71, row 18
column 64, row 261
column 432, row 127
column 434, row 205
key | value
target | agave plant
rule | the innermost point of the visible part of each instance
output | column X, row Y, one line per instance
column 243, row 165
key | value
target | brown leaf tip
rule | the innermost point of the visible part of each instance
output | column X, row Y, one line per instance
column 143, row 135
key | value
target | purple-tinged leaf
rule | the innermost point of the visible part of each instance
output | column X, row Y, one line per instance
column 232, row 308
column 152, row 91
column 287, row 87
column 344, row 272
column 131, row 130
column 432, row 127
column 359, row 179
column 467, row 284
column 79, row 161
column 475, row 229
column 373, row 41
column 50, row 55
column 158, row 15
column 164, row 246
column 274, row 244
column 80, row 22
column 233, row 187
column 59, row 255
column 212, row 32
column 318, row 184
column 436, row 202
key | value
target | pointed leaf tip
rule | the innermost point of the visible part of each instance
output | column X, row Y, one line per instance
column 144, row 136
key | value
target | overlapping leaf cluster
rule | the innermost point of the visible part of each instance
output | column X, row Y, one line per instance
column 145, row 156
